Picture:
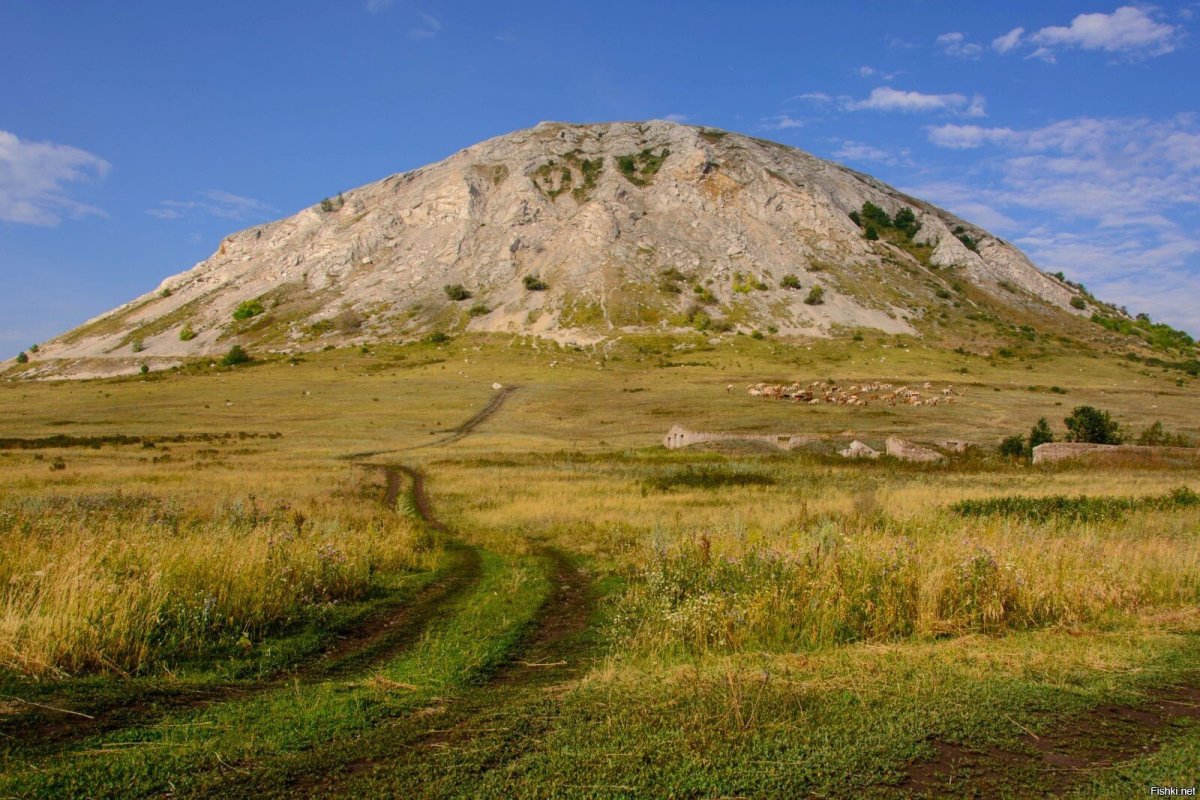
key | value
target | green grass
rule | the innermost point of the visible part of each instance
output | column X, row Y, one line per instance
column 765, row 624
column 1075, row 509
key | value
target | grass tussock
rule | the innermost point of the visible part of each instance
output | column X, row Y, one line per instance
column 123, row 583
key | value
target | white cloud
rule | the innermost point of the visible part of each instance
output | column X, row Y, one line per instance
column 1130, row 31
column 782, row 122
column 885, row 98
column 871, row 72
column 429, row 28
column 676, row 117
column 214, row 203
column 375, row 6
column 1002, row 44
column 961, row 137
column 34, row 177
column 1110, row 200
column 814, row 97
column 956, row 44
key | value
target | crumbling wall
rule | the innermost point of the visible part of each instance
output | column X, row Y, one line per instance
column 1061, row 451
column 680, row 436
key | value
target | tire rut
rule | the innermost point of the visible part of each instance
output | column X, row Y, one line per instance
column 1058, row 760
column 545, row 663
column 381, row 635
column 455, row 433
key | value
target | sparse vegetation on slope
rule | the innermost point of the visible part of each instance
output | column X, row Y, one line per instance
column 640, row 168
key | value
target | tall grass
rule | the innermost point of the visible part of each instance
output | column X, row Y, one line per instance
column 118, row 582
column 851, row 578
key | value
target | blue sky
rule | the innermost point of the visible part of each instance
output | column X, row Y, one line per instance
column 134, row 136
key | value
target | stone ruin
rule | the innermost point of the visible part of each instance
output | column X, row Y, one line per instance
column 1062, row 451
column 679, row 437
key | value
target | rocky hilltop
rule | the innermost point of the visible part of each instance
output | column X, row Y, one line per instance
column 582, row 232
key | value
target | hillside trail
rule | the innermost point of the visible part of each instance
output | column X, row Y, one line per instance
column 454, row 434
column 547, row 660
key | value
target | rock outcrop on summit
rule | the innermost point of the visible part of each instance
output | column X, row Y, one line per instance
column 577, row 232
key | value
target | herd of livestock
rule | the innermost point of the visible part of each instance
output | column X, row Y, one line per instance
column 819, row 392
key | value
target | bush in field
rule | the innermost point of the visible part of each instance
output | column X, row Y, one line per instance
column 1013, row 446
column 1091, row 425
column 1040, row 434
column 1155, row 435
column 816, row 296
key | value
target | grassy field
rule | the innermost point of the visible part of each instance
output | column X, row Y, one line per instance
column 309, row 577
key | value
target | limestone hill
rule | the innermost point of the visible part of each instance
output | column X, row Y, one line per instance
column 585, row 232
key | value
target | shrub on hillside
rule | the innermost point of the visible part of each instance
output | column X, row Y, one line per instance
column 816, row 296
column 348, row 321
column 456, row 292
column 186, row 334
column 534, row 284
column 790, row 282
column 1078, row 302
column 247, row 309
column 22, row 358
column 236, row 355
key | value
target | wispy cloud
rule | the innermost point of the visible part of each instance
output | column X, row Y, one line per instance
column 1007, row 42
column 850, row 150
column 872, row 72
column 34, row 177
column 1110, row 200
column 962, row 137
column 375, row 6
column 956, row 44
column 429, row 28
column 1130, row 32
column 782, row 122
column 214, row 203
column 676, row 117
column 814, row 97
column 885, row 98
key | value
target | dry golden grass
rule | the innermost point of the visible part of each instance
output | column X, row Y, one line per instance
column 127, row 566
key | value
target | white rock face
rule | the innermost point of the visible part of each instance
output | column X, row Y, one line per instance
column 619, row 244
